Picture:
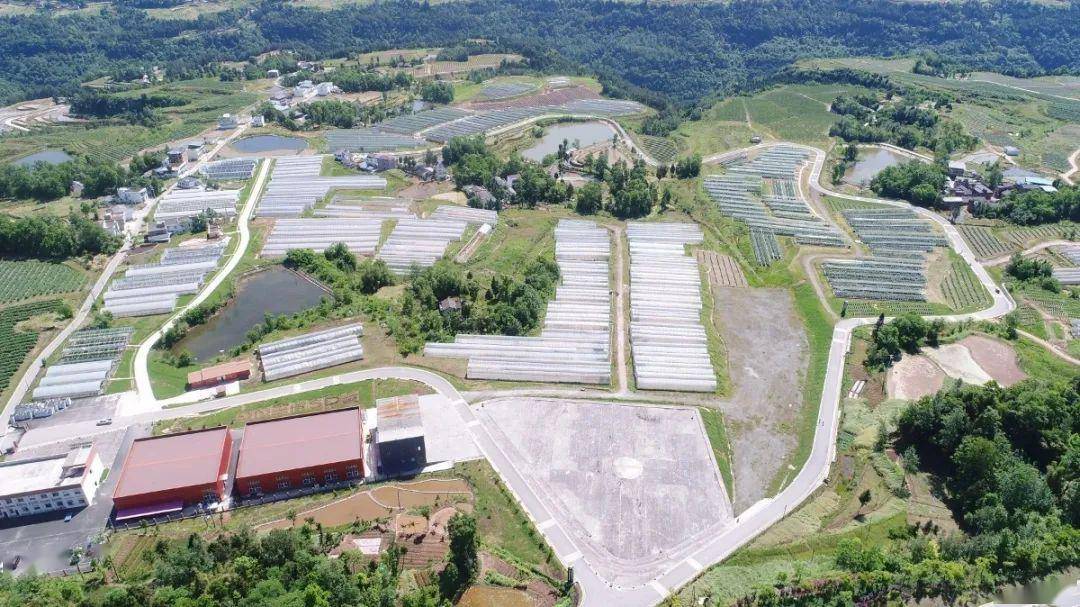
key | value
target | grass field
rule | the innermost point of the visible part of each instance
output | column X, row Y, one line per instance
column 521, row 237
column 207, row 100
column 16, row 343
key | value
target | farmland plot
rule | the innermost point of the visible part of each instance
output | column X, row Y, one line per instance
column 21, row 280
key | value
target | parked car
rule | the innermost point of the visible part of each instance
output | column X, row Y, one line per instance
column 104, row 422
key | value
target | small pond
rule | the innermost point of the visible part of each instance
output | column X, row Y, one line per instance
column 268, row 143
column 1039, row 592
column 869, row 164
column 584, row 133
column 272, row 291
column 49, row 156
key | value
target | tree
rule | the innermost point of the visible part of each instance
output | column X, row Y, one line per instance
column 851, row 152
column 994, row 174
column 437, row 92
column 464, row 549
column 864, row 498
column 589, row 198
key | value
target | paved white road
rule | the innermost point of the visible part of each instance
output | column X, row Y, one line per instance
column 142, row 377
column 131, row 230
column 597, row 591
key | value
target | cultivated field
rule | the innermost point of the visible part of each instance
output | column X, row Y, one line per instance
column 21, row 280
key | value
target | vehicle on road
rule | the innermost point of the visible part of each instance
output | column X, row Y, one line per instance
column 105, row 421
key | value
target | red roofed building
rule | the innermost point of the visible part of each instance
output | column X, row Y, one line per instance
column 164, row 474
column 300, row 451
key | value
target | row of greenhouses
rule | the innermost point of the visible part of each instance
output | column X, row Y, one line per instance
column 667, row 340
column 575, row 343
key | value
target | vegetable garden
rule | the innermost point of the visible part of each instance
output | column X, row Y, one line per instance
column 21, row 280
column 983, row 241
column 15, row 345
column 961, row 289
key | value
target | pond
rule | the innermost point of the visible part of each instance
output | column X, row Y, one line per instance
column 49, row 156
column 584, row 133
column 1040, row 592
column 272, row 291
column 871, row 163
column 268, row 143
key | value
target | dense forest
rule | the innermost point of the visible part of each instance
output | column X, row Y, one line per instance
column 682, row 52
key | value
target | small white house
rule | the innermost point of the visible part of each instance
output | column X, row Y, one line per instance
column 258, row 120
column 227, row 121
column 324, row 89
column 131, row 195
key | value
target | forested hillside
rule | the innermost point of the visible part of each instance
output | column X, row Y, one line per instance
column 682, row 52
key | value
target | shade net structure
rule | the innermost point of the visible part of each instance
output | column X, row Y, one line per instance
column 762, row 193
column 667, row 340
column 230, row 169
column 574, row 345
column 149, row 289
column 311, row 352
column 296, row 185
column 360, row 236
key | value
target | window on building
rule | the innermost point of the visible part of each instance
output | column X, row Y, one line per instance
column 254, row 488
column 308, row 479
column 282, row 483
column 352, row 472
column 331, row 476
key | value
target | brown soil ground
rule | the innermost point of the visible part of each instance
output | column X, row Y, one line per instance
column 721, row 269
column 426, row 189
column 381, row 502
column 541, row 594
column 914, row 377
column 491, row 596
column 997, row 358
column 767, row 357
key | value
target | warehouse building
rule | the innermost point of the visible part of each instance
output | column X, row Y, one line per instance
column 48, row 484
column 301, row 451
column 165, row 474
column 400, row 435
column 234, row 370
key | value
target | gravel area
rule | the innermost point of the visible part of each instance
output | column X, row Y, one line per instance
column 914, row 377
column 767, row 356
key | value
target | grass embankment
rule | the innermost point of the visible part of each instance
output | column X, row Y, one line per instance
column 361, row 394
column 819, row 330
column 713, row 421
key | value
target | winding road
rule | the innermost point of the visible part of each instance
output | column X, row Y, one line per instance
column 597, row 591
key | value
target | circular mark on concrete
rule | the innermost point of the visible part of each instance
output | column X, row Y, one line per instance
column 628, row 468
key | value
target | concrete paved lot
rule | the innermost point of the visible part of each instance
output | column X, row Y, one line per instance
column 45, row 542
column 637, row 486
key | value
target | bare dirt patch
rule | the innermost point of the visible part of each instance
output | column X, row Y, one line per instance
column 722, row 270
column 767, row 358
column 381, row 502
column 491, row 596
column 997, row 358
column 914, row 377
column 956, row 361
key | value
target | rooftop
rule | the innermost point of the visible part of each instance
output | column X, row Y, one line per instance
column 43, row 473
column 172, row 461
column 399, row 418
column 300, row 441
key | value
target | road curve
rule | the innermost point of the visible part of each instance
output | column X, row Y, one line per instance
column 706, row 551
column 131, row 231
column 143, row 386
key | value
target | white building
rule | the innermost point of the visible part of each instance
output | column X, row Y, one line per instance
column 304, row 89
column 324, row 89
column 131, row 195
column 227, row 121
column 258, row 120
column 47, row 484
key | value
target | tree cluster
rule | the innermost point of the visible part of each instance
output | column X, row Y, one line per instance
column 52, row 237
column 917, row 182
column 630, row 193
column 472, row 163
column 499, row 305
column 908, row 124
column 437, row 92
column 44, row 181
column 905, row 333
column 1034, row 272
column 1034, row 207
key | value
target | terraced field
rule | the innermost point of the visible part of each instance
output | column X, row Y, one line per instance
column 983, row 242
column 961, row 289
column 21, row 280
column 660, row 148
column 888, row 308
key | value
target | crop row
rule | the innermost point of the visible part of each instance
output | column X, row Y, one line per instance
column 15, row 345
column 21, row 280
column 961, row 289
column 983, row 241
